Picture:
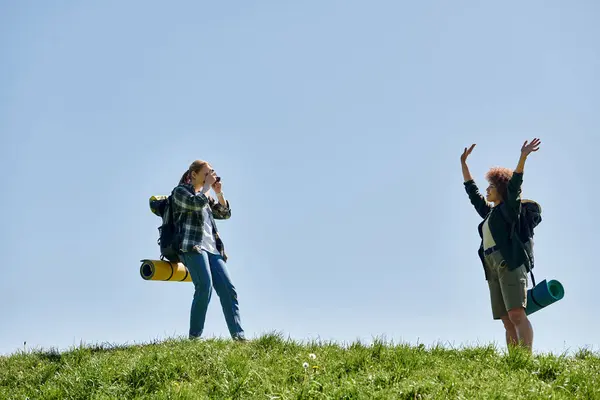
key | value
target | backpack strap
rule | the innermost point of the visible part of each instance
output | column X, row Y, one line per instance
column 171, row 214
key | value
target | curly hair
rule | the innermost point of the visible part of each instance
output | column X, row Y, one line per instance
column 499, row 177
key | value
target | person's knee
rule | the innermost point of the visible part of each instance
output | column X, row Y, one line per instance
column 203, row 286
column 517, row 316
column 222, row 281
column 226, row 290
column 508, row 325
column 199, row 273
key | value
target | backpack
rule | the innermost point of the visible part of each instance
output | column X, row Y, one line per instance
column 529, row 218
column 168, row 237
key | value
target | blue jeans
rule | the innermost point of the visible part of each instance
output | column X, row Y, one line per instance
column 206, row 270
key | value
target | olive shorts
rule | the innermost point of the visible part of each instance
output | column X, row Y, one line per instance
column 508, row 289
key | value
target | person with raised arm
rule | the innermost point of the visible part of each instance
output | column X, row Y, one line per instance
column 502, row 254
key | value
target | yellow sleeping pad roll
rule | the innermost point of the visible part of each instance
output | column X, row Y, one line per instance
column 159, row 270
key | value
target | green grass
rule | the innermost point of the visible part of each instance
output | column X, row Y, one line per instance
column 271, row 367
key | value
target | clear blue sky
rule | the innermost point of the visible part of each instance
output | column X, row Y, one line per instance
column 337, row 127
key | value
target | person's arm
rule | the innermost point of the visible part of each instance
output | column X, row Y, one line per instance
column 526, row 150
column 465, row 168
column 513, row 199
column 189, row 201
column 220, row 209
column 477, row 200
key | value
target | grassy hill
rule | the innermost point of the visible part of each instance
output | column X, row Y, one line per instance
column 273, row 368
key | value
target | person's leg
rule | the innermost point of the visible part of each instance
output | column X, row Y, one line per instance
column 227, row 295
column 198, row 265
column 512, row 339
column 514, row 292
column 499, row 311
column 523, row 326
column 496, row 300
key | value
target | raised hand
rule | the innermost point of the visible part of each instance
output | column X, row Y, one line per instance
column 466, row 153
column 210, row 178
column 526, row 149
column 217, row 187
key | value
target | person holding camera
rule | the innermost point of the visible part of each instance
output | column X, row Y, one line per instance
column 201, row 248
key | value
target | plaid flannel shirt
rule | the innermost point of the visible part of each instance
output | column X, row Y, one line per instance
column 187, row 212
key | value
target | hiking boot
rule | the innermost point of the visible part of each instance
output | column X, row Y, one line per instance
column 239, row 338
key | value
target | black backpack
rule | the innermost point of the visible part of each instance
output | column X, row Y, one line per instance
column 168, row 235
column 529, row 218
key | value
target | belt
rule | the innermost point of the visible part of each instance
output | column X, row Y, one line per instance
column 490, row 250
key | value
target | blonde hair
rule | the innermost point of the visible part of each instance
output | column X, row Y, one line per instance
column 196, row 166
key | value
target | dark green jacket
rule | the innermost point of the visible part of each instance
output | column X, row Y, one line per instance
column 501, row 226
